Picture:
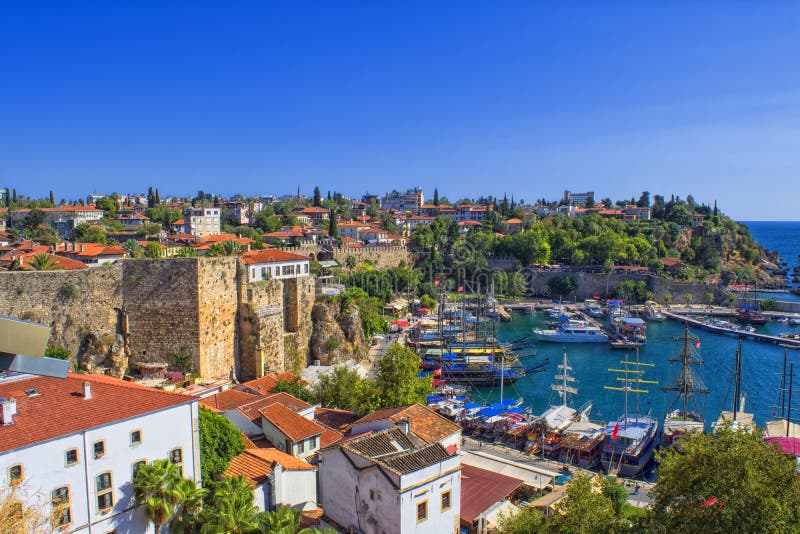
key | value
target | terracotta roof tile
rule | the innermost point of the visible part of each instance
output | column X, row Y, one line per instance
column 337, row 419
column 393, row 450
column 481, row 488
column 256, row 464
column 425, row 423
column 251, row 409
column 270, row 255
column 265, row 384
column 291, row 424
column 227, row 400
column 61, row 409
column 329, row 436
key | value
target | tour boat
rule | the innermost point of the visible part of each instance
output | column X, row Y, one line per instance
column 629, row 328
column 581, row 444
column 592, row 308
column 573, row 332
column 750, row 315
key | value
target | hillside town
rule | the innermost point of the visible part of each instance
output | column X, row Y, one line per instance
column 274, row 364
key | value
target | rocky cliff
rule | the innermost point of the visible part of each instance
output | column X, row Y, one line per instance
column 337, row 334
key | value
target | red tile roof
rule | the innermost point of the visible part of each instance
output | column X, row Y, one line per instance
column 270, row 256
column 337, row 419
column 425, row 423
column 480, row 489
column 256, row 464
column 265, row 384
column 227, row 400
column 60, row 408
column 291, row 424
column 251, row 409
column 670, row 262
column 329, row 436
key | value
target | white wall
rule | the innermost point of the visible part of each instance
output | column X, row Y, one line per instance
column 428, row 484
column 297, row 489
column 275, row 270
column 45, row 470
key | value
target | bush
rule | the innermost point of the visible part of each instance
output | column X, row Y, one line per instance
column 56, row 351
column 219, row 442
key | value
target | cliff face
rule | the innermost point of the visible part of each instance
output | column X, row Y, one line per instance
column 337, row 335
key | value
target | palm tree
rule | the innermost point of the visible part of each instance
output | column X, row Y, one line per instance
column 155, row 486
column 231, row 247
column 231, row 508
column 43, row 262
column 186, row 252
column 190, row 498
column 134, row 248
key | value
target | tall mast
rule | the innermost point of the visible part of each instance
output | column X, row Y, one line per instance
column 737, row 380
column 783, row 383
column 789, row 406
column 564, row 388
column 687, row 383
column 627, row 381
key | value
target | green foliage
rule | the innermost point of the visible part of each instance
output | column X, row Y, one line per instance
column 524, row 521
column 186, row 252
column 134, row 248
column 629, row 290
column 150, row 228
column 56, row 351
column 89, row 233
column 219, row 442
column 583, row 511
column 754, row 488
column 43, row 262
column 397, row 381
column 230, row 509
column 562, row 285
column 332, row 344
column 768, row 304
column 34, row 219
column 152, row 250
column 426, row 301
column 369, row 309
column 69, row 291
column 167, row 496
column 345, row 390
column 108, row 205
column 295, row 388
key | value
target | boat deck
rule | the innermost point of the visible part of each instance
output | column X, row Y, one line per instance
column 765, row 338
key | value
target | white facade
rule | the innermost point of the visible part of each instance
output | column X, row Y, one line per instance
column 302, row 448
column 45, row 468
column 201, row 222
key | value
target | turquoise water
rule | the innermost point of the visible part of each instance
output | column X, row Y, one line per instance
column 761, row 367
column 783, row 236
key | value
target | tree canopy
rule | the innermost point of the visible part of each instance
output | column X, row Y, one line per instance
column 219, row 442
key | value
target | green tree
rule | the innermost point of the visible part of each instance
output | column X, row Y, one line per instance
column 332, row 230
column 164, row 493
column 150, row 228
column 523, row 521
column 219, row 442
column 108, row 205
column 726, row 481
column 56, row 351
column 436, row 197
column 230, row 509
column 34, row 219
column 89, row 233
column 295, row 388
column 152, row 250
column 317, row 197
column 397, row 381
column 688, row 297
column 186, row 252
column 562, row 285
column 43, row 262
column 350, row 262
column 134, row 248
column 584, row 510
column 52, row 198
column 284, row 520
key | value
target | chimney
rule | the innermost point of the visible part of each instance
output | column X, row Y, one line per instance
column 405, row 425
column 8, row 409
column 82, row 247
column 87, row 390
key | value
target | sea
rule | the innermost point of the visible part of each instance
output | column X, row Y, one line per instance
column 762, row 363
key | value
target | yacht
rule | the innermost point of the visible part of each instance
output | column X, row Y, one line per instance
column 573, row 332
column 629, row 445
column 592, row 308
column 794, row 320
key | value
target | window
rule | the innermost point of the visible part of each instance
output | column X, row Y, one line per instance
column 136, row 466
column 61, row 511
column 105, row 495
column 71, row 457
column 176, row 457
column 15, row 474
column 136, row 438
column 99, row 449
column 301, row 446
column 372, row 494
column 445, row 500
column 422, row 511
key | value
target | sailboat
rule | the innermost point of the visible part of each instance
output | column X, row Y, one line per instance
column 630, row 440
column 737, row 417
column 550, row 426
column 784, row 427
column 679, row 422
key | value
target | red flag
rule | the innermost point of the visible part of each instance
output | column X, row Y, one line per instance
column 460, row 289
column 697, row 345
column 710, row 502
column 437, row 372
column 436, row 282
column 616, row 431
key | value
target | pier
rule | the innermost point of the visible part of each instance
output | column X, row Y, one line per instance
column 755, row 336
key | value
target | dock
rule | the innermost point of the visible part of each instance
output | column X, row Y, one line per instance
column 504, row 315
column 755, row 336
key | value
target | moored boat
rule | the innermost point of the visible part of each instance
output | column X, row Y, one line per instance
column 572, row 332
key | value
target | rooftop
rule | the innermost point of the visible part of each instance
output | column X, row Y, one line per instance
column 337, row 419
column 426, row 424
column 481, row 488
column 394, row 451
column 251, row 409
column 227, row 400
column 271, row 255
column 291, row 424
column 60, row 409
column 266, row 384
column 257, row 464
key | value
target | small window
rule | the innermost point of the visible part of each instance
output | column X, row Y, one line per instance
column 99, row 449
column 445, row 500
column 15, row 474
column 136, row 437
column 136, row 466
column 105, row 494
column 176, row 457
column 60, row 507
column 372, row 494
column 71, row 457
column 301, row 445
column 422, row 511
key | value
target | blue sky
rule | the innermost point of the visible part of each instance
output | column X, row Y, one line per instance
column 528, row 98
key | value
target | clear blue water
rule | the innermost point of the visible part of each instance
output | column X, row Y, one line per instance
column 761, row 363
column 761, row 367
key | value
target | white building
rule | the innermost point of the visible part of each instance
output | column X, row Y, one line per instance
column 387, row 482
column 274, row 263
column 577, row 199
column 424, row 423
column 77, row 442
column 412, row 200
column 278, row 479
column 201, row 222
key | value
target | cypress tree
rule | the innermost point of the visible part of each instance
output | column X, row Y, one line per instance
column 158, row 198
column 332, row 230
column 52, row 198
column 317, row 197
column 436, row 197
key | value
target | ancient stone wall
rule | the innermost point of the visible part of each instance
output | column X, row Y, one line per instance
column 299, row 295
column 161, row 303
column 260, row 329
column 382, row 256
column 76, row 305
column 217, row 315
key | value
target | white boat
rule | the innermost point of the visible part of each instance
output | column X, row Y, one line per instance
column 782, row 319
column 794, row 320
column 573, row 332
column 592, row 308
column 651, row 312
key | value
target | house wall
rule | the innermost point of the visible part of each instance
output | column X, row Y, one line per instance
column 297, row 489
column 427, row 485
column 45, row 469
column 275, row 270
